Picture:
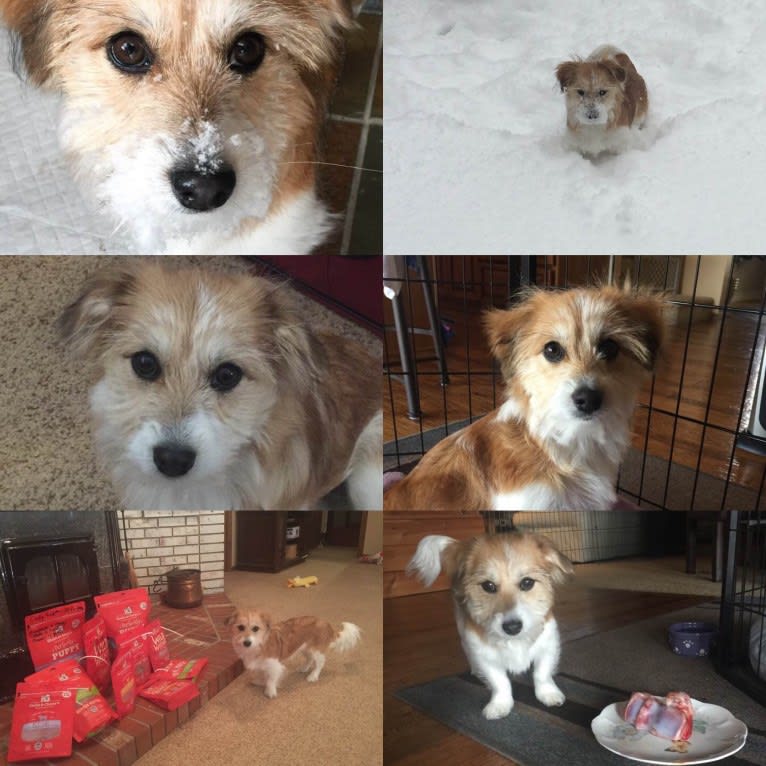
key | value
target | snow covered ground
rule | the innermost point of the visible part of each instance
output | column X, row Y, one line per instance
column 475, row 160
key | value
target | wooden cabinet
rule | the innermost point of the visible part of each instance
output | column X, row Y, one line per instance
column 261, row 542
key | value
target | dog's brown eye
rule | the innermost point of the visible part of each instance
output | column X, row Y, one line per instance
column 247, row 53
column 553, row 352
column 527, row 583
column 255, row 629
column 607, row 349
column 240, row 627
column 580, row 92
column 129, row 52
column 146, row 365
column 225, row 377
column 489, row 586
column 602, row 93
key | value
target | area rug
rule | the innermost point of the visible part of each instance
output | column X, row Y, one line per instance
column 596, row 671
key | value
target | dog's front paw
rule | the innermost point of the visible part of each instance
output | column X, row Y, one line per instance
column 497, row 709
column 270, row 692
column 312, row 677
column 549, row 694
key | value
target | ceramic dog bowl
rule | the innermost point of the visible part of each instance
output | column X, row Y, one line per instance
column 692, row 639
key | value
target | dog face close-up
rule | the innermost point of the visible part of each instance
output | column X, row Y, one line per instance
column 574, row 361
column 505, row 583
column 189, row 118
column 248, row 629
column 593, row 91
column 187, row 365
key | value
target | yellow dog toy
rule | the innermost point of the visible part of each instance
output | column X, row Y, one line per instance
column 303, row 582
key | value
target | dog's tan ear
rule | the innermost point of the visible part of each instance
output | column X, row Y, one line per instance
column 266, row 617
column 453, row 558
column 565, row 73
column 231, row 619
column 28, row 21
column 502, row 328
column 644, row 341
column 615, row 70
column 558, row 566
column 83, row 324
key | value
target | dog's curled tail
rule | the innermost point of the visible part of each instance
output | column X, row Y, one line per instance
column 347, row 638
column 426, row 564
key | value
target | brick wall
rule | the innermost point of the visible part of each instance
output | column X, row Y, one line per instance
column 163, row 540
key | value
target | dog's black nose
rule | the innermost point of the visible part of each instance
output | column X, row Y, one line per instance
column 247, row 643
column 173, row 460
column 592, row 114
column 587, row 400
column 512, row 627
column 202, row 191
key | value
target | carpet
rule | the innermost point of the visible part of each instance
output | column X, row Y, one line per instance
column 672, row 491
column 45, row 447
column 594, row 672
column 337, row 720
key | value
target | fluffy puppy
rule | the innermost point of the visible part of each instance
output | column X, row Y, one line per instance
column 265, row 646
column 604, row 93
column 195, row 124
column 211, row 391
column 573, row 363
column 502, row 586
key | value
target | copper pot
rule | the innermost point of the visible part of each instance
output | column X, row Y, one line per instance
column 184, row 588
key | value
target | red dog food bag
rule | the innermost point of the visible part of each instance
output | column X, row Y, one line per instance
column 96, row 652
column 92, row 711
column 136, row 642
column 55, row 634
column 124, row 682
column 42, row 723
column 124, row 610
column 169, row 694
column 182, row 670
column 157, row 645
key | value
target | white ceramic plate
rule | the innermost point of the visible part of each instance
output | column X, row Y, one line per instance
column 717, row 734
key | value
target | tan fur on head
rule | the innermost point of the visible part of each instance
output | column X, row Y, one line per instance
column 302, row 416
column 126, row 133
column 573, row 363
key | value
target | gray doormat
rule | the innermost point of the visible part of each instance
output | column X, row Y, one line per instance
column 534, row 735
column 672, row 490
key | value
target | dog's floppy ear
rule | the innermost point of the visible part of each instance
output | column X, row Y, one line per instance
column 502, row 328
column 558, row 566
column 266, row 618
column 565, row 73
column 644, row 340
column 83, row 323
column 232, row 618
column 28, row 21
column 615, row 70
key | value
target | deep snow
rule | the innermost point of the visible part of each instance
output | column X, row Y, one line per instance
column 475, row 160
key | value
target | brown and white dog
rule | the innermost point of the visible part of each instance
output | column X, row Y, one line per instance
column 573, row 362
column 211, row 391
column 605, row 97
column 265, row 646
column 502, row 587
column 195, row 124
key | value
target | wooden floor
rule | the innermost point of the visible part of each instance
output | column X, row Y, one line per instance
column 690, row 381
column 421, row 643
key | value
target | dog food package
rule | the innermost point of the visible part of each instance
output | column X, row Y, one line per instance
column 156, row 645
column 136, row 642
column 42, row 723
column 55, row 634
column 124, row 611
column 96, row 648
column 182, row 670
column 124, row 682
column 92, row 711
column 169, row 694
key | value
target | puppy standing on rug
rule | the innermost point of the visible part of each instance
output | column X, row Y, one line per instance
column 265, row 646
column 502, row 587
column 194, row 124
column 573, row 363
column 606, row 98
column 213, row 392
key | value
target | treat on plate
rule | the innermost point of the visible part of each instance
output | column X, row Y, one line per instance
column 671, row 718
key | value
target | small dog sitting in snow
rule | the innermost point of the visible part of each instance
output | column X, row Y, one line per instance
column 264, row 646
column 605, row 98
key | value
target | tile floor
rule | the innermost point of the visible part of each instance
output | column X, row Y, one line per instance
column 202, row 634
column 352, row 179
